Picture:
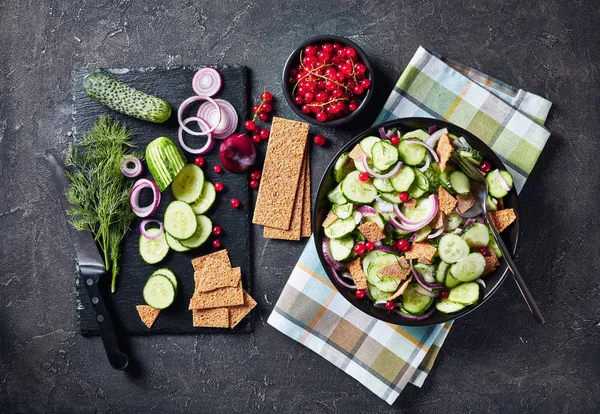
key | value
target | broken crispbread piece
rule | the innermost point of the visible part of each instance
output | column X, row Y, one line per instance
column 465, row 202
column 281, row 173
column 424, row 252
column 217, row 257
column 330, row 219
column 438, row 220
column 444, row 150
column 410, row 204
column 371, row 231
column 447, row 202
column 218, row 298
column 306, row 230
column 237, row 313
column 148, row 314
column 501, row 219
column 491, row 263
column 399, row 269
column 401, row 289
column 360, row 279
column 210, row 318
column 211, row 278
column 357, row 153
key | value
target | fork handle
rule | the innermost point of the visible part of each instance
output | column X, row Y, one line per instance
column 533, row 307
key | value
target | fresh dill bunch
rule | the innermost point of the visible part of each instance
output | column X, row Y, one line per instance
column 99, row 190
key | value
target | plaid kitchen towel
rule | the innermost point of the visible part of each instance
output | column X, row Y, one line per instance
column 385, row 357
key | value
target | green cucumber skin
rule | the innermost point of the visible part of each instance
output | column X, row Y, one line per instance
column 164, row 161
column 116, row 95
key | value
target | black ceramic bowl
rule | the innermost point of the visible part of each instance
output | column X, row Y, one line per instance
column 294, row 59
column 322, row 207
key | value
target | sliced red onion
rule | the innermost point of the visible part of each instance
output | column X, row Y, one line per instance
column 429, row 147
column 384, row 206
column 390, row 134
column 425, row 292
column 435, row 137
column 367, row 211
column 347, row 275
column 382, row 133
column 481, row 283
column 207, row 82
column 134, row 197
column 368, row 294
column 357, row 217
column 426, row 165
column 226, row 119
column 432, row 129
column 494, row 200
column 464, row 142
column 153, row 236
column 340, row 281
column 131, row 172
column 372, row 173
column 457, row 231
column 380, row 302
column 386, row 249
column 209, row 137
column 335, row 265
column 472, row 212
column 422, row 282
column 403, row 227
column 469, row 222
column 437, row 233
column 413, row 238
column 406, row 222
column 480, row 220
column 416, row 317
column 502, row 181
column 185, row 104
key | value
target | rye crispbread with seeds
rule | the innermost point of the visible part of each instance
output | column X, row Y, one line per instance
column 438, row 220
column 211, row 278
column 371, row 231
column 218, row 298
column 281, row 173
column 306, row 206
column 357, row 153
column 330, row 219
column 148, row 314
column 491, row 263
column 501, row 219
column 410, row 204
column 399, row 269
column 217, row 257
column 210, row 318
column 355, row 268
column 465, row 202
column 237, row 313
column 401, row 289
column 447, row 202
column 293, row 233
column 424, row 252
column 444, row 150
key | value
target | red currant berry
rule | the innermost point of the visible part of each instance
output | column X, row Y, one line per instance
column 256, row 138
column 263, row 116
column 266, row 107
column 330, row 85
column 394, row 140
column 404, row 196
column 350, row 52
column 321, row 116
column 298, row 100
column 253, row 184
column 217, row 169
column 336, row 46
column 216, row 244
column 403, row 245
column 216, row 230
column 363, row 176
column 255, row 175
column 309, row 86
column 321, row 96
column 323, row 56
column 360, row 293
column 264, row 134
column 319, row 140
column 365, row 83
column 256, row 129
column 359, row 249
column 266, row 96
column 199, row 161
column 309, row 97
column 256, row 109
column 306, row 109
column 340, row 77
column 390, row 305
column 327, row 47
column 219, row 186
column 358, row 90
column 484, row 251
column 359, row 69
column 249, row 125
column 235, row 203
column 485, row 166
column 353, row 105
column 370, row 245
column 444, row 293
column 337, row 93
column 310, row 50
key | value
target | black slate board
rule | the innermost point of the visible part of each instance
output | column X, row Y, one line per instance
column 173, row 85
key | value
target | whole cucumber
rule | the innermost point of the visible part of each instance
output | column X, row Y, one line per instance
column 118, row 96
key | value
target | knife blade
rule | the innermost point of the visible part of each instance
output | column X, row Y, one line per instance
column 91, row 268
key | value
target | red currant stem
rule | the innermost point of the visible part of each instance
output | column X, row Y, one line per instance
column 262, row 102
column 328, row 102
column 353, row 71
column 314, row 72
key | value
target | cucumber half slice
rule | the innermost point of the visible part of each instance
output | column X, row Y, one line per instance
column 187, row 185
column 206, row 200
column 159, row 292
column 180, row 220
column 203, row 230
column 153, row 251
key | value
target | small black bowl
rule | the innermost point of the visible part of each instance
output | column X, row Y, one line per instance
column 322, row 207
column 293, row 60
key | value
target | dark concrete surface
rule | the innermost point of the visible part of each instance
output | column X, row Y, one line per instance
column 495, row 360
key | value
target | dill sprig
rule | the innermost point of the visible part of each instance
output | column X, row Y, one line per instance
column 99, row 190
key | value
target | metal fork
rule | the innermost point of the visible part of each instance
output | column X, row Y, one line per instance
column 482, row 193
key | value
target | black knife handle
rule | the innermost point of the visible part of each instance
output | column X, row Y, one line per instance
column 117, row 358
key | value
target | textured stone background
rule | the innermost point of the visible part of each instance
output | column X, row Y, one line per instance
column 495, row 360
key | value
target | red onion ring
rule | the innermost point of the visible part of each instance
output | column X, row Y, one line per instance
column 367, row 211
column 347, row 275
column 389, row 134
column 135, row 196
column 428, row 293
column 226, row 119
column 372, row 173
column 209, row 138
column 434, row 138
column 207, row 82
column 426, row 165
column 384, row 206
column 161, row 229
column 481, row 283
column 185, row 104
column 469, row 222
column 501, row 179
column 357, row 217
column 421, row 281
column 430, row 148
column 457, row 231
column 480, row 220
column 385, row 249
column 416, row 317
column 335, row 265
column 382, row 133
column 411, row 223
column 340, row 281
column 437, row 233
column 131, row 172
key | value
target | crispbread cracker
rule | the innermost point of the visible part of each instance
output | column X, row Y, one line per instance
column 401, row 289
column 330, row 219
column 465, row 202
column 360, row 279
column 211, row 318
column 214, row 277
column 399, row 269
column 501, row 219
column 371, row 231
column 491, row 263
column 424, row 252
column 357, row 153
column 438, row 220
column 410, row 204
column 237, row 313
column 444, row 150
column 148, row 314
column 217, row 257
column 447, row 202
column 218, row 298
column 306, row 230
column 281, row 173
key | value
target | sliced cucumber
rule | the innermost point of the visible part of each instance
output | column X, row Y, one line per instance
column 451, row 281
column 413, row 302
column 203, row 230
column 446, row 306
column 188, row 184
column 422, row 234
column 341, row 248
column 174, row 244
column 477, row 235
column 490, row 204
column 206, row 200
column 440, row 273
column 168, row 273
column 494, row 185
column 377, row 294
column 384, row 155
column 468, row 268
column 412, row 154
column 454, row 221
column 494, row 246
column 383, row 184
column 336, row 196
column 369, row 258
column 417, row 133
column 420, row 186
column 393, row 198
column 377, row 219
column 444, row 181
column 422, row 208
column 403, row 180
column 471, row 155
column 340, row 228
column 366, row 144
column 159, row 292
column 359, row 192
column 465, row 293
column 153, row 251
column 453, row 248
column 164, row 160
column 426, row 271
column 459, row 182
column 343, row 166
column 343, row 211
column 383, row 283
column 180, row 220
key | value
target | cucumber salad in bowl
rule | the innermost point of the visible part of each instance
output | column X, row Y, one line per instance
column 406, row 230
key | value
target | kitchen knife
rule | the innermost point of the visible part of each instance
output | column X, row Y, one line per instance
column 91, row 268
